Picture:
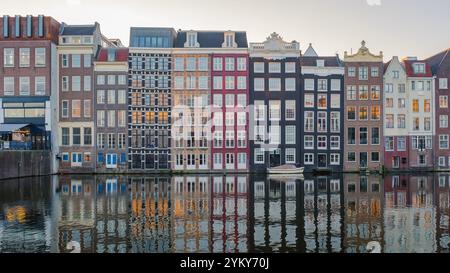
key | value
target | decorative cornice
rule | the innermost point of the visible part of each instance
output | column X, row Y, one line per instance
column 363, row 55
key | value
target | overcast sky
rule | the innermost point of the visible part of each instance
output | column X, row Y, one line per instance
column 396, row 27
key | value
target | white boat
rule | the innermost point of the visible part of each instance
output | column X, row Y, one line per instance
column 286, row 169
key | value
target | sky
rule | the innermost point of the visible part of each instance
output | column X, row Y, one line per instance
column 397, row 27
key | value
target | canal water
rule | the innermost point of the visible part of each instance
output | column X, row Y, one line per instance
column 214, row 213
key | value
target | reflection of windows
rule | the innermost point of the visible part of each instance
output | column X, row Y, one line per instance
column 363, row 92
column 363, row 113
column 322, row 101
column 375, row 92
column 375, row 114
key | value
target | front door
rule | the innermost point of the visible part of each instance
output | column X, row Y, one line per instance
column 363, row 159
column 322, row 160
column 275, row 158
column 111, row 161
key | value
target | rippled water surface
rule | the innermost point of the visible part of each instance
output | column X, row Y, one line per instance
column 404, row 213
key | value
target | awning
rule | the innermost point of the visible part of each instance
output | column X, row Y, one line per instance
column 8, row 128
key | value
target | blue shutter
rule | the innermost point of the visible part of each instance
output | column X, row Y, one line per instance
column 114, row 159
column 41, row 25
column 29, row 26
column 100, row 158
column 17, row 27
column 123, row 158
column 79, row 158
column 74, row 157
column 5, row 26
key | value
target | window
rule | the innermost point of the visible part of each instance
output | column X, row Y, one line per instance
column 443, row 101
column 111, row 118
column 218, row 139
column 217, row 100
column 419, row 68
column 241, row 82
column 309, row 84
column 65, row 60
column 39, row 57
column 290, row 110
column 309, row 121
column 24, row 86
column 290, row 134
column 351, row 92
column 258, row 67
column 259, row 84
column 351, row 113
column 389, row 121
column 203, row 64
column 229, row 82
column 179, row 64
column 121, row 96
column 335, row 121
column 190, row 82
column 443, row 142
column 321, row 142
column 309, row 100
column 374, row 73
column 179, row 82
column 87, row 59
column 218, row 119
column 76, row 83
column 274, row 84
column 335, row 142
column 121, row 143
column 401, row 88
column 309, row 159
column 290, row 155
column 335, row 159
column 351, row 71
column 401, row 121
column 111, row 141
column 415, row 105
column 8, row 86
column 335, row 101
column 122, row 79
column 241, row 139
column 401, row 143
column 274, row 134
column 375, row 113
column 241, row 64
column 416, row 124
column 24, row 57
column 76, row 60
column 375, row 140
column 395, row 74
column 203, row 82
column 289, row 84
column 289, row 67
column 241, row 118
column 321, row 101
column 111, row 79
column 427, row 124
column 401, row 103
column 65, row 136
column 322, row 121
column 309, row 142
column 389, row 143
column 87, row 136
column 363, row 110
column 87, row 108
column 375, row 92
column 335, row 85
column 76, row 136
column 442, row 164
column 101, row 79
column 229, row 139
column 375, row 156
column 274, row 110
column 443, row 121
column 274, row 67
column 190, row 64
column 87, row 83
column 389, row 102
column 217, row 82
column 229, row 100
column 443, row 83
column 229, row 64
column 76, row 108
column 363, row 92
column 363, row 136
column 322, row 85
column 426, row 106
column 65, row 109
column 241, row 100
column 8, row 57
column 260, row 110
column 363, row 72
column 39, row 85
column 259, row 156
column 101, row 118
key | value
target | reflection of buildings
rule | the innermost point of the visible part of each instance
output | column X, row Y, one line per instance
column 191, row 227
column 76, row 219
column 229, row 213
column 295, row 216
column 151, row 209
column 25, row 225
column 410, row 215
column 442, row 201
column 363, row 219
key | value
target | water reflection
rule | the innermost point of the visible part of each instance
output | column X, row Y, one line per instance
column 115, row 214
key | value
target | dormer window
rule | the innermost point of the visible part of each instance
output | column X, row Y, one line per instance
column 320, row 63
column 111, row 55
column 229, row 40
column 76, row 40
column 191, row 38
column 419, row 68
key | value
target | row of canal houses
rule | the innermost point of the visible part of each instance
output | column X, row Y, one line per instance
column 209, row 101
